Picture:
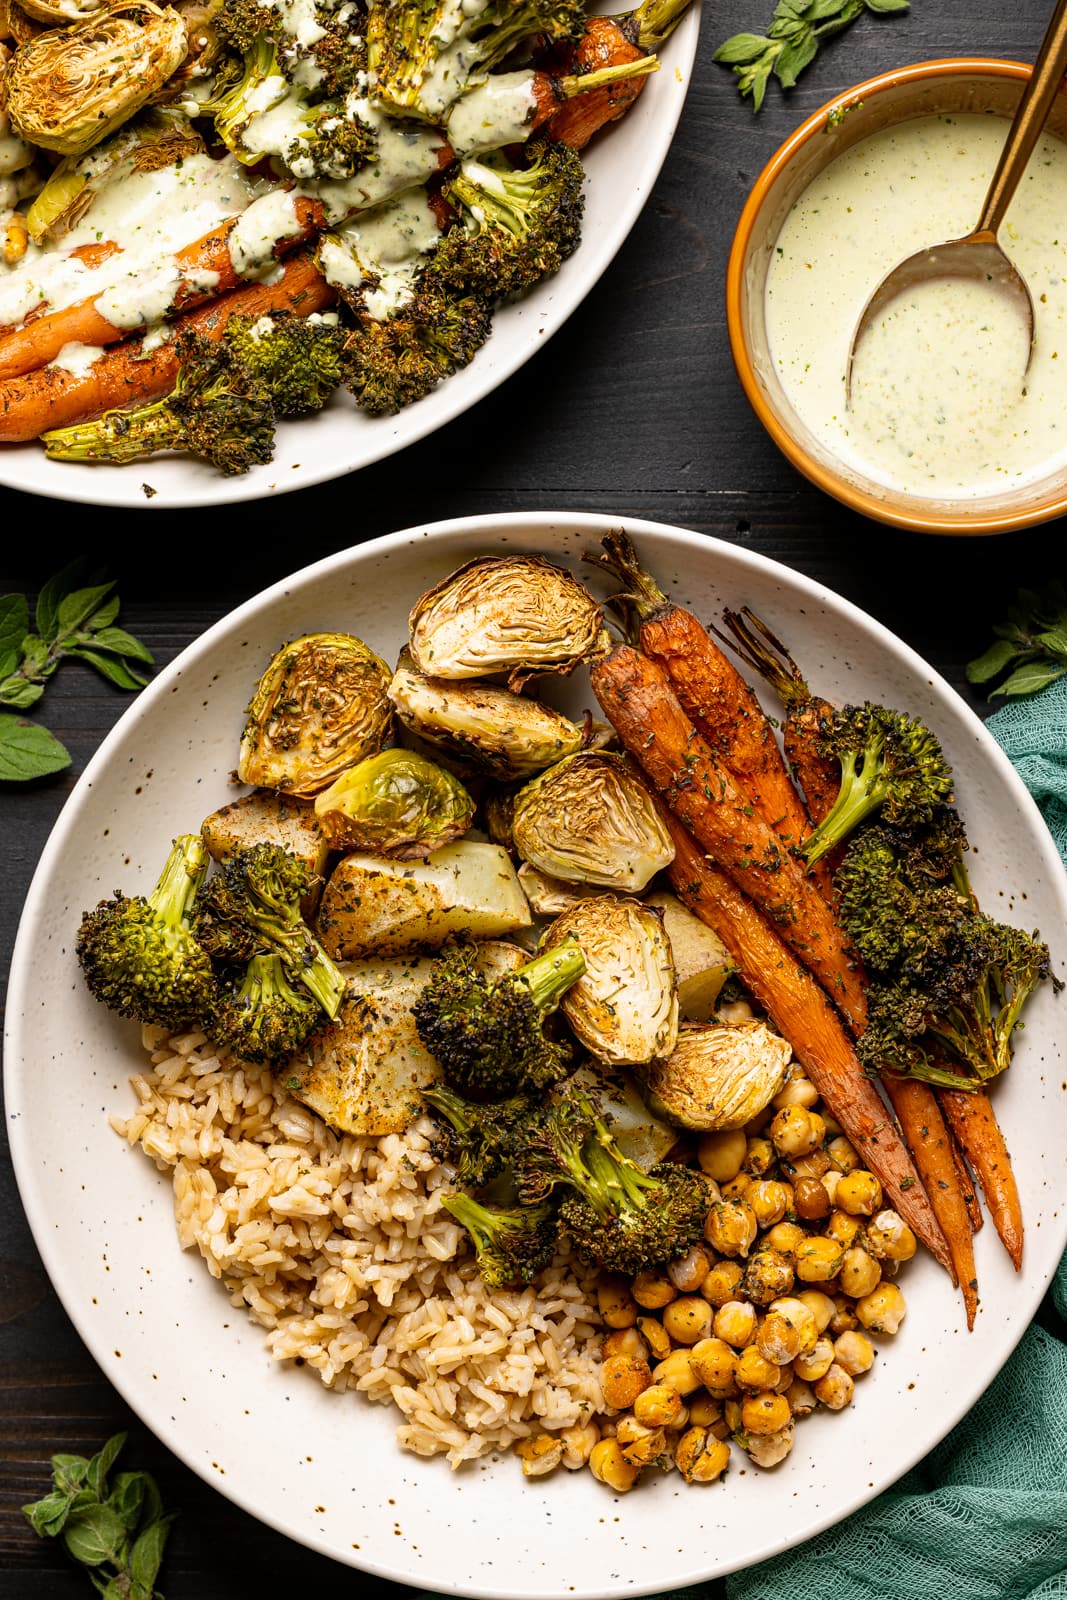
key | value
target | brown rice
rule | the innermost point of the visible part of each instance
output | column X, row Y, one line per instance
column 339, row 1247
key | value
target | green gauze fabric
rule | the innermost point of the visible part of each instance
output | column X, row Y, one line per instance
column 984, row 1516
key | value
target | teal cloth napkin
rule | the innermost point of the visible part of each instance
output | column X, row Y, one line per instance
column 984, row 1515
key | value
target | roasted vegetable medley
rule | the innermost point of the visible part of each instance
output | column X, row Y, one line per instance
column 566, row 946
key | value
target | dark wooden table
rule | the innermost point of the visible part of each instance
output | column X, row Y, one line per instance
column 632, row 409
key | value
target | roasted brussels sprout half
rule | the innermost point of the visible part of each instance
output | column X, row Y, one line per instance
column 549, row 896
column 490, row 729
column 320, row 707
column 70, row 87
column 513, row 615
column 624, row 1007
column 719, row 1075
column 56, row 13
column 394, row 804
column 590, row 819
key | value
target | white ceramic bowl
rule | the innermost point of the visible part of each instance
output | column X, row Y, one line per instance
column 323, row 1467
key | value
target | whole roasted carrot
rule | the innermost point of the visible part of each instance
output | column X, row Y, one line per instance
column 934, row 1153
column 801, row 1012
column 972, row 1119
column 968, row 1187
column 637, row 698
column 55, row 398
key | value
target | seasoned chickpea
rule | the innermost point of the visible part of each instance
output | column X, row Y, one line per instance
column 653, row 1290
column 844, row 1317
column 731, row 1228
column 625, row 1342
column 801, row 1397
column 816, row 1362
column 760, row 1156
column 889, row 1237
column 830, row 1181
column 754, row 1371
column 769, row 1200
column 883, row 1310
column 859, row 1273
column 810, row 1200
column 608, row 1465
column 834, row 1129
column 794, row 1310
column 578, row 1444
column 677, row 1370
column 854, row 1353
column 841, row 1226
column 656, row 1337
column 765, row 1413
column 714, row 1364
column 778, row 1340
column 767, row 1449
column 705, row 1411
column 540, row 1454
column 843, row 1154
column 700, row 1457
column 690, row 1270
column 639, row 1444
column 834, row 1388
column 794, row 1131
column 859, row 1193
column 784, row 1237
column 731, row 1415
column 818, row 1259
column 658, row 1406
column 796, row 1091
column 735, row 1323
column 622, row 1380
column 767, row 1275
column 736, row 1188
column 820, row 1305
column 616, row 1303
column 813, row 1165
column 688, row 1319
column 720, row 1154
column 722, row 1282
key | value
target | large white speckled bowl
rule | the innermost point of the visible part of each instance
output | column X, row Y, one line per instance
column 322, row 1467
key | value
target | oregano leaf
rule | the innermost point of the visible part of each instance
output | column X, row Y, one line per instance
column 28, row 751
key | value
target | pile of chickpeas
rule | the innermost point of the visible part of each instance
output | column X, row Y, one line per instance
column 773, row 1316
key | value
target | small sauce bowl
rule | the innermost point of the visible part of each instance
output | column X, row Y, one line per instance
column 929, row 88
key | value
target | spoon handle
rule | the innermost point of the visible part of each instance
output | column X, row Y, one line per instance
column 1037, row 97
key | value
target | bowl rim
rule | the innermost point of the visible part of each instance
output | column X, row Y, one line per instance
column 968, row 522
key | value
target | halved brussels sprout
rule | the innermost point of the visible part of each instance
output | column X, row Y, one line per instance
column 719, row 1075
column 549, row 896
column 57, row 12
column 590, row 819
column 490, row 729
column 624, row 1007
column 70, row 87
column 320, row 707
column 394, row 804
column 518, row 615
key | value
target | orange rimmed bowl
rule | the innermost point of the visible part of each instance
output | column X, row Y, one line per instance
column 927, row 88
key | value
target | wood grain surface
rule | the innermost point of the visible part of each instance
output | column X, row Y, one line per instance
column 633, row 409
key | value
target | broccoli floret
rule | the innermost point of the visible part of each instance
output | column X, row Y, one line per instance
column 424, row 54
column 217, row 411
column 516, row 224
column 240, row 93
column 477, row 1138
column 297, row 358
column 618, row 1216
column 899, row 908
column 336, row 142
column 389, row 364
column 138, row 953
column 512, row 1243
column 252, row 906
column 326, row 67
column 890, row 763
column 264, row 1019
column 488, row 1034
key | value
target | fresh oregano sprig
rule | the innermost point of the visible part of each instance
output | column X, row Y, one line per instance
column 75, row 618
column 792, row 41
column 1030, row 646
column 115, row 1527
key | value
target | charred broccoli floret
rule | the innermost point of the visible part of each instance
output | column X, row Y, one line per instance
column 477, row 1137
column 264, row 1019
column 298, row 358
column 890, row 763
column 217, row 411
column 390, row 364
column 618, row 1216
column 424, row 54
column 328, row 61
column 516, row 225
column 488, row 1034
column 252, row 906
column 512, row 1243
column 139, row 954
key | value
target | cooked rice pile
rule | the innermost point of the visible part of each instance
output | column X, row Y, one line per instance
column 340, row 1248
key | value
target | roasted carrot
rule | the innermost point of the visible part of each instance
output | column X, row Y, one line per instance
column 681, row 766
column 934, row 1152
column 803, row 1015
column 972, row 1119
column 609, row 41
column 968, row 1187
column 55, row 398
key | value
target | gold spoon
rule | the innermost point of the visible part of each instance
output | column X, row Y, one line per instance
column 978, row 256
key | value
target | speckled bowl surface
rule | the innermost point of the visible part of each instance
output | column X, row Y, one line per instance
column 323, row 1467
